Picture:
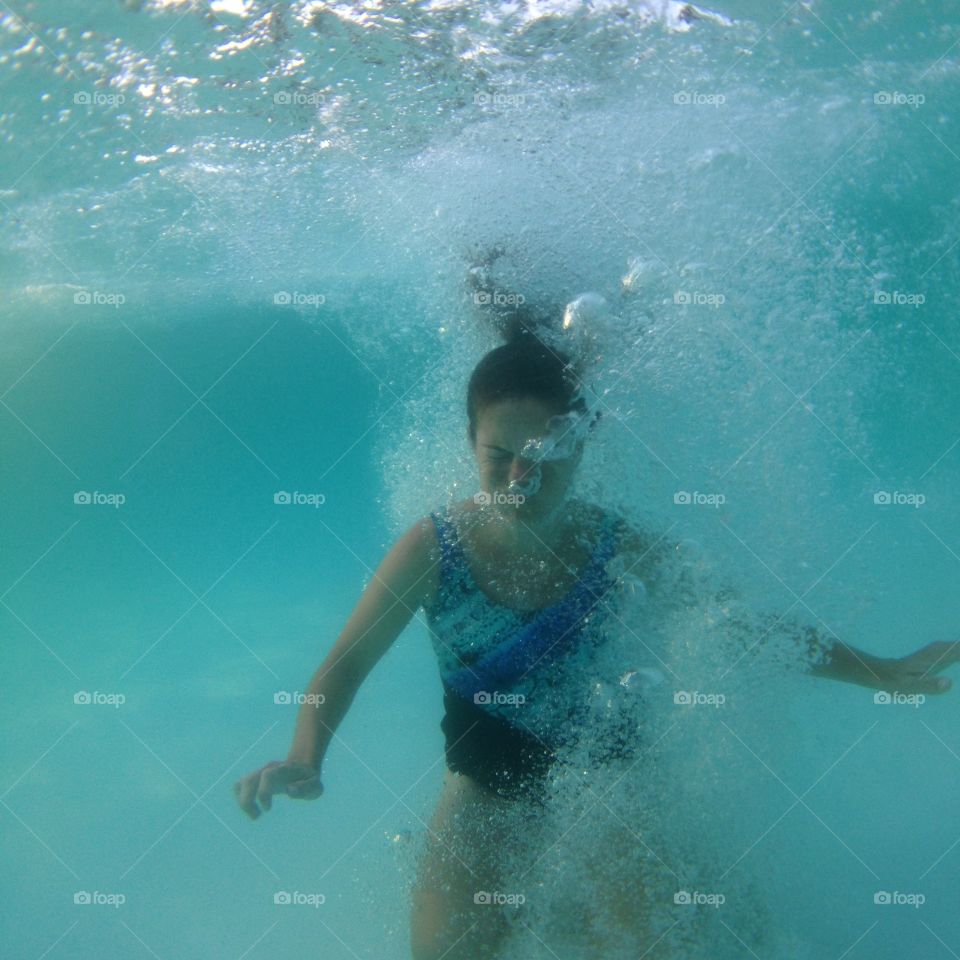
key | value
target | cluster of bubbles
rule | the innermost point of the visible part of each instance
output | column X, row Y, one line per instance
column 564, row 433
column 584, row 332
column 699, row 391
column 648, row 824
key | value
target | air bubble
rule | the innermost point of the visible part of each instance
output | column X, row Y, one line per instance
column 589, row 311
column 630, row 282
column 527, row 485
column 633, row 588
column 563, row 433
column 643, row 679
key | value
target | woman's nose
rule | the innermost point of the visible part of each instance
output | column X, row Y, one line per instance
column 521, row 468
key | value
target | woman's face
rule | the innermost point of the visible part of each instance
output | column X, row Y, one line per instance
column 516, row 480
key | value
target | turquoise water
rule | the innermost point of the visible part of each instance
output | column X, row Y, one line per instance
column 234, row 236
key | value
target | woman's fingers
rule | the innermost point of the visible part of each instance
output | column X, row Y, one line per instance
column 932, row 685
column 276, row 777
column 937, row 655
column 917, row 672
column 248, row 790
column 245, row 791
column 267, row 787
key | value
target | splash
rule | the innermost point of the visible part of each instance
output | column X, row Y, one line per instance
column 638, row 854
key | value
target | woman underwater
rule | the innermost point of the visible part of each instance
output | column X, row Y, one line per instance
column 513, row 584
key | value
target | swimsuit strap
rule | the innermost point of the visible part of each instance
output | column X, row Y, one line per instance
column 594, row 575
column 452, row 559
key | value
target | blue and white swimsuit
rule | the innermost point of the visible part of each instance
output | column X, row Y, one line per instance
column 516, row 683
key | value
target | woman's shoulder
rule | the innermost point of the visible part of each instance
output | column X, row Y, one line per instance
column 595, row 519
column 639, row 543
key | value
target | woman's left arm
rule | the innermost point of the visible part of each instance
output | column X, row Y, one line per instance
column 914, row 673
column 832, row 659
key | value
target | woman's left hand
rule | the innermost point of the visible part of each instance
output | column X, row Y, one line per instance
column 914, row 673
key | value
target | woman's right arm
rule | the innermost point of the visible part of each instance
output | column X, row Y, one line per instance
column 402, row 583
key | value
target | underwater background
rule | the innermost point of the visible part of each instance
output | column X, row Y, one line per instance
column 235, row 346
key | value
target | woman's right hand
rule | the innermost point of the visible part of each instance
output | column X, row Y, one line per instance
column 298, row 780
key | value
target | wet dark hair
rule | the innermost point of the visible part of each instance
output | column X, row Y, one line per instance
column 524, row 366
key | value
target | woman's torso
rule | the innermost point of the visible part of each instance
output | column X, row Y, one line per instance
column 515, row 637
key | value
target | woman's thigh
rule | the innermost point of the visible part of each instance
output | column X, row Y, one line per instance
column 454, row 912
